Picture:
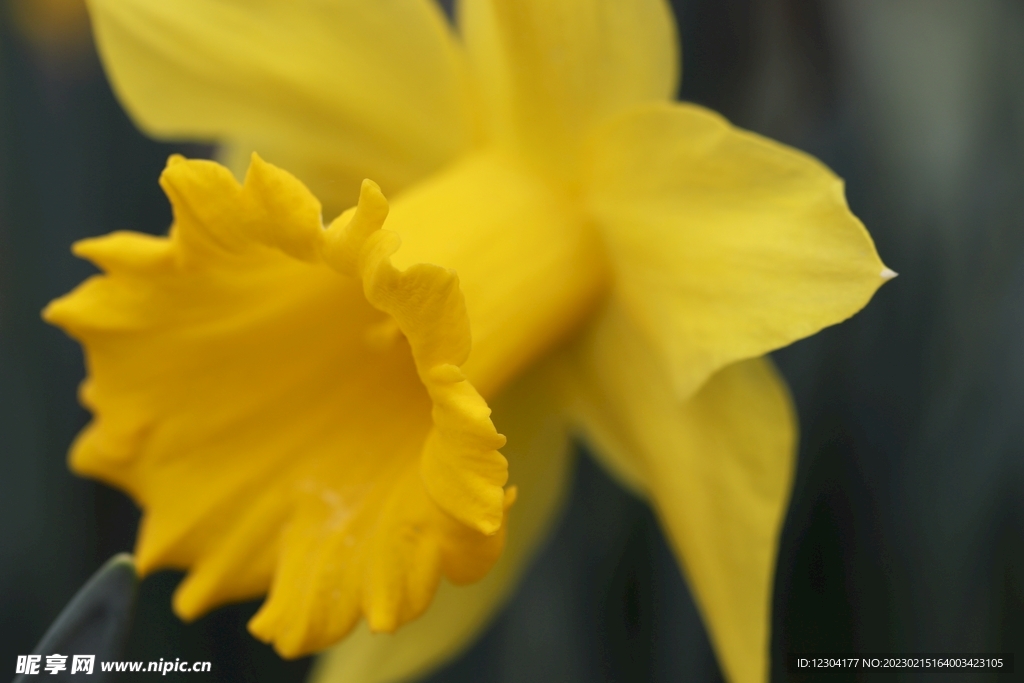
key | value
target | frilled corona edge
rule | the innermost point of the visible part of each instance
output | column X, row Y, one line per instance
column 259, row 370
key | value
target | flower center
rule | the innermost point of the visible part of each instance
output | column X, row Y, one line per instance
column 530, row 265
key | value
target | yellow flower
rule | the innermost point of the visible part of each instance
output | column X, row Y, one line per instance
column 296, row 408
column 56, row 28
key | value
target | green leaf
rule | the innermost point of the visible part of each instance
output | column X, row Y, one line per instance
column 95, row 622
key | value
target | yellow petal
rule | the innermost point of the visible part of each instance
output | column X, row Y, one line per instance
column 531, row 266
column 551, row 69
column 243, row 395
column 724, row 245
column 538, row 455
column 336, row 91
column 717, row 468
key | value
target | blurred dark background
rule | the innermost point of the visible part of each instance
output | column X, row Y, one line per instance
column 906, row 529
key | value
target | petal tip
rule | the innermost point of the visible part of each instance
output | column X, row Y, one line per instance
column 382, row 627
column 511, row 494
column 888, row 274
column 48, row 313
column 144, row 563
column 185, row 605
column 372, row 200
column 490, row 527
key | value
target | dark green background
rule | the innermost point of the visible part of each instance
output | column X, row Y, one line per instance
column 906, row 531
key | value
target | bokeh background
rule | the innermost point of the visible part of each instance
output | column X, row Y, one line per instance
column 906, row 528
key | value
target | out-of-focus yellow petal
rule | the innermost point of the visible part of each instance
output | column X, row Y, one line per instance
column 724, row 245
column 551, row 69
column 539, row 458
column 57, row 28
column 244, row 394
column 335, row 91
column 717, row 468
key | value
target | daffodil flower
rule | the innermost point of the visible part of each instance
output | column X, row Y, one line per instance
column 305, row 411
